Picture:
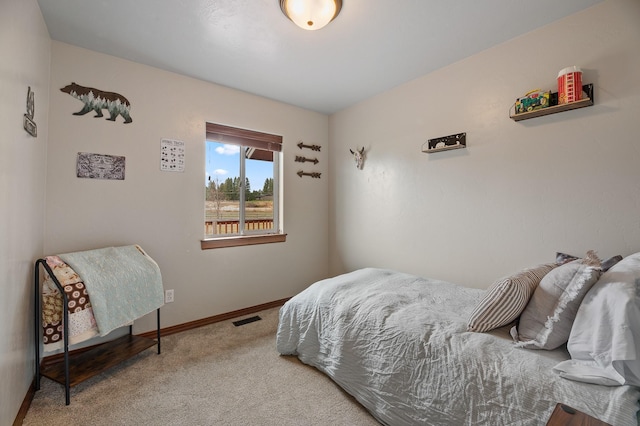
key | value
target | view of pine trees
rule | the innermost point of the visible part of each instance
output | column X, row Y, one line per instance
column 229, row 190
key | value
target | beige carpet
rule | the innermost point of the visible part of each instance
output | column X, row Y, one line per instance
column 213, row 375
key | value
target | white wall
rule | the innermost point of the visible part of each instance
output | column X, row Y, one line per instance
column 520, row 191
column 163, row 211
column 25, row 52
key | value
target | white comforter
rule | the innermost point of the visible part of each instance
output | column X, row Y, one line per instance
column 398, row 343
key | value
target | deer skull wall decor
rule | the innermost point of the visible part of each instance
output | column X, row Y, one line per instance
column 358, row 157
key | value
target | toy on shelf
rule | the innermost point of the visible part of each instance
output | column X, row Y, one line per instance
column 532, row 100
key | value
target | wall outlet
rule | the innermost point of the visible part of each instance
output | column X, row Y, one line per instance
column 168, row 296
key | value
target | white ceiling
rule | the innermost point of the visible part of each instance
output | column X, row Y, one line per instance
column 372, row 46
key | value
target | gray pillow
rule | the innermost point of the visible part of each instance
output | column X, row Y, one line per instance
column 547, row 319
column 606, row 264
column 562, row 258
column 610, row 262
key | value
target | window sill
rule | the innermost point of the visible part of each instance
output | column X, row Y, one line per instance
column 244, row 240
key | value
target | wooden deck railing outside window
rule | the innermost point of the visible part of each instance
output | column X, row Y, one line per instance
column 226, row 226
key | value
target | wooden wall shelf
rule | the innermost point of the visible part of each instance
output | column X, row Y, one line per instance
column 553, row 109
column 445, row 143
column 446, row 148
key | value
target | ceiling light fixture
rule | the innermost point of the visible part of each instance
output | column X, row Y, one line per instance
column 311, row 14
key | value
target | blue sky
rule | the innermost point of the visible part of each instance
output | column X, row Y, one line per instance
column 223, row 161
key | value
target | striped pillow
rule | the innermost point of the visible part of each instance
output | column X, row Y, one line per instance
column 505, row 300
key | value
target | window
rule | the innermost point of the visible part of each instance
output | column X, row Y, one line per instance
column 241, row 188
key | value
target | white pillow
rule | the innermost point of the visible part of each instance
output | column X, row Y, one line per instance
column 546, row 321
column 605, row 339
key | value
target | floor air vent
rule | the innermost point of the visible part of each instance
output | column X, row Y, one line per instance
column 246, row 321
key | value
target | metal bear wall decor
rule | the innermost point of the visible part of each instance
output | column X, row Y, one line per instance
column 97, row 100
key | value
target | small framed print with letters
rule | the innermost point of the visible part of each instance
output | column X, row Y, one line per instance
column 171, row 155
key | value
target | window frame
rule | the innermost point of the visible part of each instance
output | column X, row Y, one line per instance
column 247, row 139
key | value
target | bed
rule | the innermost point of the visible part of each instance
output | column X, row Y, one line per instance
column 400, row 344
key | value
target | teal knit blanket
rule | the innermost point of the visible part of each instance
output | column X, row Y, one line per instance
column 123, row 283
